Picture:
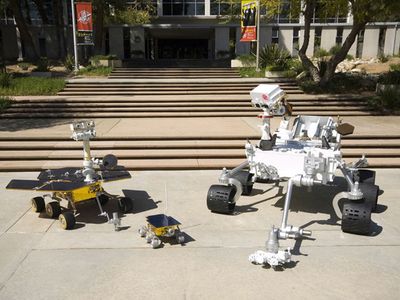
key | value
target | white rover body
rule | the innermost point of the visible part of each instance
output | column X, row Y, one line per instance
column 306, row 155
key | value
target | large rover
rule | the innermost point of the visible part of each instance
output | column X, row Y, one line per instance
column 308, row 154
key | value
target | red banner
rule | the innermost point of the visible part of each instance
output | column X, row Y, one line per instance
column 84, row 16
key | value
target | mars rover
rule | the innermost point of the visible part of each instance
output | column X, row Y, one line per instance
column 308, row 154
column 77, row 185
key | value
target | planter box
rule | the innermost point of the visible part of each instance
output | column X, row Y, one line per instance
column 114, row 63
column 236, row 63
column 275, row 74
column 383, row 87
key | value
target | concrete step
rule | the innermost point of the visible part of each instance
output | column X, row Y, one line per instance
column 160, row 164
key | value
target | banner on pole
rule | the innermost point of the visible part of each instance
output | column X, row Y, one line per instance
column 84, row 20
column 248, row 20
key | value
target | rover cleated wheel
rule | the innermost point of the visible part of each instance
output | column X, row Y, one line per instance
column 220, row 198
column 245, row 179
column 53, row 209
column 67, row 220
column 356, row 217
column 142, row 231
column 38, row 204
column 155, row 242
column 149, row 237
column 365, row 176
column 370, row 194
column 180, row 238
column 125, row 204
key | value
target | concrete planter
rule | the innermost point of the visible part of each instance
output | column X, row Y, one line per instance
column 236, row 63
column 275, row 74
column 384, row 87
column 114, row 63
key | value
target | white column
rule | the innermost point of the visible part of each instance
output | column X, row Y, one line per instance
column 207, row 7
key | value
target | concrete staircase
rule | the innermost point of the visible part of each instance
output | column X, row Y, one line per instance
column 179, row 93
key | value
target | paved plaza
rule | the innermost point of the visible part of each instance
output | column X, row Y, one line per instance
column 39, row 260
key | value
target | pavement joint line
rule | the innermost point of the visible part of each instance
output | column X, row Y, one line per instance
column 12, row 225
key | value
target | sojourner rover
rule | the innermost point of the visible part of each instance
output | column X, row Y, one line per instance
column 308, row 154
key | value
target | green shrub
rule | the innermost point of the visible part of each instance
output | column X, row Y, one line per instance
column 5, row 80
column 321, row 52
column 273, row 55
column 388, row 99
column 335, row 49
column 24, row 86
column 395, row 67
column 250, row 72
column 392, row 77
column 5, row 102
column 340, row 83
column 95, row 71
column 69, row 62
column 349, row 57
column 296, row 65
column 24, row 65
column 383, row 58
column 247, row 60
column 42, row 65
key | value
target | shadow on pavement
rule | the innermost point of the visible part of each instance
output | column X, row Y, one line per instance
column 142, row 201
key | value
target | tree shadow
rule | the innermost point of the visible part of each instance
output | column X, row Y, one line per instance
column 13, row 125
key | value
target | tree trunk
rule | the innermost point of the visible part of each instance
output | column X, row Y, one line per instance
column 42, row 11
column 341, row 55
column 99, row 27
column 307, row 63
column 30, row 50
column 58, row 12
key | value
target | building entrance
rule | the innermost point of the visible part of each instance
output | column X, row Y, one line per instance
column 182, row 48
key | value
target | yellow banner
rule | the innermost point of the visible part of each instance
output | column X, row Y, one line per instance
column 248, row 20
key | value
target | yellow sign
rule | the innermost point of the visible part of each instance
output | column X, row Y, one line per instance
column 248, row 21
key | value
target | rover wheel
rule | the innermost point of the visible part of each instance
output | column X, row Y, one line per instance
column 180, row 238
column 155, row 242
column 149, row 237
column 365, row 176
column 356, row 217
column 370, row 194
column 220, row 198
column 142, row 231
column 67, row 220
column 38, row 204
column 53, row 209
column 245, row 179
column 125, row 204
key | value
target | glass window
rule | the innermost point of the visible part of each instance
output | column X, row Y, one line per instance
column 275, row 35
column 183, row 7
column 224, row 7
column 317, row 38
column 339, row 35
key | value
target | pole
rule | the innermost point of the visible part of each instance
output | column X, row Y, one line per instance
column 74, row 36
column 258, row 38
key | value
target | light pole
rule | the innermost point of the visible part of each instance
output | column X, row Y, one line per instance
column 258, row 38
column 74, row 36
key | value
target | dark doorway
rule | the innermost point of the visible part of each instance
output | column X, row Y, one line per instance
column 182, row 49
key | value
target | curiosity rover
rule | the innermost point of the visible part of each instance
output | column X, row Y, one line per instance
column 77, row 185
column 306, row 155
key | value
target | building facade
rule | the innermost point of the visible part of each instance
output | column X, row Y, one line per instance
column 201, row 29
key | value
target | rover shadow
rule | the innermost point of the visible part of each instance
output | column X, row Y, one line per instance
column 141, row 200
column 239, row 209
column 172, row 241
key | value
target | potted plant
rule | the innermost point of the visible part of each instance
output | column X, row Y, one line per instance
column 275, row 60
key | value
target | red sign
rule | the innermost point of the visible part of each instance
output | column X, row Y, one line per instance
column 248, row 21
column 249, row 34
column 84, row 16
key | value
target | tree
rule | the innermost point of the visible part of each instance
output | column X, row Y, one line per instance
column 363, row 11
column 30, row 49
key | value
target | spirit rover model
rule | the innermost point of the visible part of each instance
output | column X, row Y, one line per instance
column 77, row 185
column 306, row 155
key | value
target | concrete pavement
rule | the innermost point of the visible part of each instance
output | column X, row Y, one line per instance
column 39, row 260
